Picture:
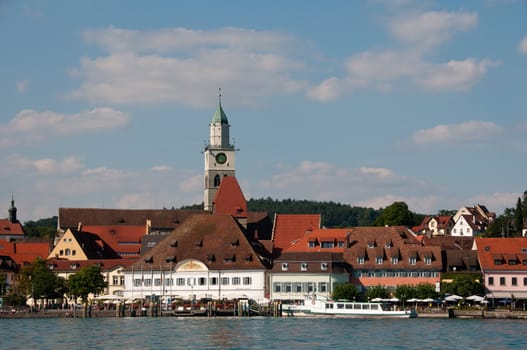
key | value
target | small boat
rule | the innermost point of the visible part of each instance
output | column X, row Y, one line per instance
column 321, row 307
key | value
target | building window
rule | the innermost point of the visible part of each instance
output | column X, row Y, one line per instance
column 360, row 260
column 180, row 281
column 310, row 287
column 191, row 281
column 297, row 287
column 68, row 251
column 324, row 266
column 303, row 267
column 202, row 281
column 115, row 280
column 247, row 281
column 61, row 252
column 288, row 287
column 277, row 287
column 340, row 244
column 502, row 281
column 285, row 266
column 217, row 181
column 236, row 281
column 513, row 262
column 514, row 281
column 169, row 282
column 311, row 244
column 213, row 281
column 322, row 287
column 327, row 245
column 157, row 282
column 151, row 244
column 395, row 260
column 378, row 260
column 121, row 281
column 498, row 262
column 412, row 260
column 225, row 281
column 148, row 282
column 525, row 281
column 137, row 282
column 428, row 261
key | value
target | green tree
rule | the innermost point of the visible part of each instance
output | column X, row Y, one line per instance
column 38, row 281
column 377, row 292
column 45, row 228
column 425, row 291
column 346, row 291
column 405, row 291
column 518, row 217
column 463, row 285
column 396, row 214
column 88, row 280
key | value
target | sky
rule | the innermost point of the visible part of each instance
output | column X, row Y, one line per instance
column 107, row 104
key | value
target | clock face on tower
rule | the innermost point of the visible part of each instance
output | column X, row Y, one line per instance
column 221, row 158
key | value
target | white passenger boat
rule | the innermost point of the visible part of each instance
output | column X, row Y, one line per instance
column 317, row 307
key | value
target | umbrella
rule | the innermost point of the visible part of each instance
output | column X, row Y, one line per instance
column 413, row 300
column 108, row 297
column 453, row 297
column 428, row 300
column 476, row 298
column 377, row 300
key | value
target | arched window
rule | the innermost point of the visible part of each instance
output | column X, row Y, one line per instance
column 68, row 251
column 216, row 180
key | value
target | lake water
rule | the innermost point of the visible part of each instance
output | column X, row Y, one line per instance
column 261, row 333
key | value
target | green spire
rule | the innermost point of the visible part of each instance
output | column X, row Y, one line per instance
column 219, row 115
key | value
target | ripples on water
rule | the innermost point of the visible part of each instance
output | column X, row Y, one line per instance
column 260, row 333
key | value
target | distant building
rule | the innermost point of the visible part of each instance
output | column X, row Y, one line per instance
column 11, row 228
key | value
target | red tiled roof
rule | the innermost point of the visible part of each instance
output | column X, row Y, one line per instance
column 503, row 249
column 11, row 229
column 23, row 252
column 124, row 240
column 370, row 243
column 289, row 228
column 321, row 240
column 229, row 198
column 215, row 240
column 62, row 265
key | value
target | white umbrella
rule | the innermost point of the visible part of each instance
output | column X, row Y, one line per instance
column 453, row 297
column 428, row 300
column 108, row 297
column 377, row 300
column 413, row 300
column 476, row 298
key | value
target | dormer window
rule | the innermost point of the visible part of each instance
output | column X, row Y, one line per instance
column 378, row 260
column 340, row 244
column 412, row 260
column 327, row 245
column 324, row 266
column 371, row 244
column 285, row 266
column 360, row 260
column 311, row 244
column 428, row 260
column 395, row 260
column 303, row 267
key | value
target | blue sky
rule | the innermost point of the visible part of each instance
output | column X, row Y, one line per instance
column 107, row 103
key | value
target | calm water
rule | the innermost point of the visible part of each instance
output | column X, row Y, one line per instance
column 261, row 333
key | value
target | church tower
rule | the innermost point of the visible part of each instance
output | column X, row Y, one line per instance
column 219, row 156
column 12, row 211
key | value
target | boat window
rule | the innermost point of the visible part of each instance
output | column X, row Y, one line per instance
column 340, row 306
column 356, row 306
column 349, row 306
column 365, row 306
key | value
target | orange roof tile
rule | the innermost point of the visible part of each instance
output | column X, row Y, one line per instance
column 321, row 240
column 11, row 229
column 511, row 253
column 124, row 240
column 289, row 228
column 229, row 199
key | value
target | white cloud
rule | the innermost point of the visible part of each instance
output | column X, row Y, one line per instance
column 22, row 85
column 523, row 46
column 44, row 166
column 161, row 168
column 180, row 65
column 32, row 125
column 454, row 75
column 430, row 29
column 328, row 182
column 462, row 132
column 418, row 34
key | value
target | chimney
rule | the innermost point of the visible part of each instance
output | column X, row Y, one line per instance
column 79, row 226
column 148, row 226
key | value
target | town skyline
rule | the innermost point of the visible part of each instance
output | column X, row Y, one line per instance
column 361, row 103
